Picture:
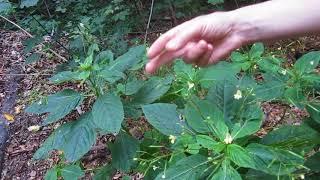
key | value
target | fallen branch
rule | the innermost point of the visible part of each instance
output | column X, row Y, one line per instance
column 31, row 36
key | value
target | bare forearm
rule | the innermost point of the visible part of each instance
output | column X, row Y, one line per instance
column 277, row 19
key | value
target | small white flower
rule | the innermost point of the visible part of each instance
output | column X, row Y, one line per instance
column 284, row 72
column 237, row 95
column 255, row 67
column 172, row 139
column 228, row 139
column 190, row 85
column 163, row 176
column 135, row 159
column 311, row 62
column 81, row 25
column 154, row 167
column 302, row 176
column 34, row 128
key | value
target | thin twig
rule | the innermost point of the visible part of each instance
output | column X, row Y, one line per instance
column 16, row 25
column 45, row 2
column 30, row 35
column 50, row 36
column 151, row 32
column 149, row 20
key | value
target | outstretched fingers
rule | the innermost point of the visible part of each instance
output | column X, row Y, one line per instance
column 165, row 57
column 159, row 45
column 223, row 49
column 191, row 53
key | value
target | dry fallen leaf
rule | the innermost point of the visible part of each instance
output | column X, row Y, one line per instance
column 8, row 117
column 34, row 128
column 17, row 109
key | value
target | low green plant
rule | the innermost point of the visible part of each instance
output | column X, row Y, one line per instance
column 118, row 93
column 215, row 136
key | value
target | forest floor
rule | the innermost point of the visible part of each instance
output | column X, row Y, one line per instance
column 23, row 84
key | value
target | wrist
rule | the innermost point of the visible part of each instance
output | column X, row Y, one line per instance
column 243, row 27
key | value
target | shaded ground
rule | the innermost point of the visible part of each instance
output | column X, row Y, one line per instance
column 33, row 83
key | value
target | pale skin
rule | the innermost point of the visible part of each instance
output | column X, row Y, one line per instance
column 207, row 39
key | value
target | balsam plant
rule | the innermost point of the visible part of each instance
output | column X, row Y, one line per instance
column 214, row 138
column 118, row 92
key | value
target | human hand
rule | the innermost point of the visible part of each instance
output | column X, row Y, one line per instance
column 201, row 41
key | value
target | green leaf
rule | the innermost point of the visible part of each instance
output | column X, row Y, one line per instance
column 215, row 2
column 273, row 160
column 163, row 117
column 254, row 175
column 111, row 75
column 64, row 76
column 209, row 143
column 33, row 58
column 253, row 117
column 87, row 62
column 104, row 173
column 184, row 72
column 292, row 137
column 72, row 172
column 192, row 167
column 79, row 140
column 256, row 50
column 51, row 174
column 132, row 87
column 129, row 59
column 222, row 95
column 267, row 66
column 5, row 6
column 313, row 162
column 104, row 57
column 92, row 49
column 203, row 116
column 270, row 90
column 31, row 43
column 152, row 90
column 238, row 57
column 123, row 150
column 308, row 62
column 295, row 97
column 221, row 71
column 28, row 3
column 226, row 172
column 314, row 111
column 74, row 139
column 58, row 105
column 240, row 156
column 108, row 113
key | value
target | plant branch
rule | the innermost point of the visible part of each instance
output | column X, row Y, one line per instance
column 149, row 20
column 45, row 2
column 30, row 35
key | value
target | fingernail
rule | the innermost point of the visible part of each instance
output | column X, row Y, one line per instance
column 148, row 68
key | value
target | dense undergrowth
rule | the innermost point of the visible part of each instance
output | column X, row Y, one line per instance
column 205, row 120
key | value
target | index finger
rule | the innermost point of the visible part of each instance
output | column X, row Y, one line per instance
column 159, row 45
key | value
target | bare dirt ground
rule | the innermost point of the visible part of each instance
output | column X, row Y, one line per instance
column 31, row 82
